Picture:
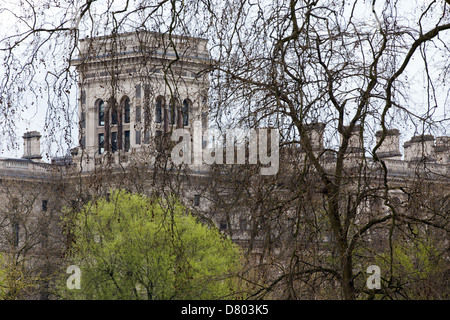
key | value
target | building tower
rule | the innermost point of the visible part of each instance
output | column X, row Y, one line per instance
column 135, row 88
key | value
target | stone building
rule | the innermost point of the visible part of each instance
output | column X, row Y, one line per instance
column 134, row 89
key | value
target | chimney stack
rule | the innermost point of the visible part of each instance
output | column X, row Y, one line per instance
column 355, row 143
column 389, row 149
column 419, row 148
column 442, row 150
column 32, row 145
column 315, row 134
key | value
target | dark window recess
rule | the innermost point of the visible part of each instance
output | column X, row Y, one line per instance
column 114, row 117
column 113, row 141
column 138, row 114
column 147, row 136
column 243, row 224
column 223, row 225
column 172, row 114
column 158, row 110
column 196, row 200
column 138, row 137
column 186, row 108
column 101, row 113
column 138, row 91
column 127, row 140
column 159, row 140
column 15, row 234
column 101, row 143
column 44, row 205
column 126, row 110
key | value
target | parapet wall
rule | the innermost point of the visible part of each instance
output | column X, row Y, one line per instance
column 418, row 148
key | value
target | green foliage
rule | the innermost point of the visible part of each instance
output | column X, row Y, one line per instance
column 415, row 269
column 133, row 247
column 15, row 281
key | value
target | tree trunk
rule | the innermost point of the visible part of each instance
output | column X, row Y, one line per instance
column 348, row 286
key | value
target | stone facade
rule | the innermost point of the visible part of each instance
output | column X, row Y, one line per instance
column 134, row 89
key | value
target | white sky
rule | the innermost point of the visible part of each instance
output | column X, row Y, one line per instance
column 34, row 118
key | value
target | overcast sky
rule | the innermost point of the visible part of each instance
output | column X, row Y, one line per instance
column 35, row 117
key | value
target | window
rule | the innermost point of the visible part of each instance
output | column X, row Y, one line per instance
column 204, row 120
column 172, row 112
column 196, row 200
column 114, row 116
column 101, row 113
column 16, row 234
column 186, row 108
column 138, row 114
column 223, row 225
column 44, row 205
column 138, row 91
column 146, row 136
column 138, row 137
column 113, row 141
column 126, row 110
column 243, row 224
column 101, row 143
column 127, row 140
column 158, row 110
column 159, row 140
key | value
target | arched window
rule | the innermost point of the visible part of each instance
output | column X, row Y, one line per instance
column 126, row 110
column 186, row 108
column 158, row 109
column 101, row 112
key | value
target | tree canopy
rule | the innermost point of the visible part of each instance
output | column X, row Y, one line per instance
column 129, row 246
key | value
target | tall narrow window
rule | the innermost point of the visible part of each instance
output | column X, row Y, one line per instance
column 197, row 200
column 138, row 91
column 138, row 114
column 126, row 110
column 158, row 110
column 243, row 224
column 127, row 140
column 172, row 111
column 147, row 136
column 186, row 108
column 114, row 116
column 101, row 143
column 44, row 205
column 101, row 113
column 113, row 141
column 138, row 136
column 16, row 234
